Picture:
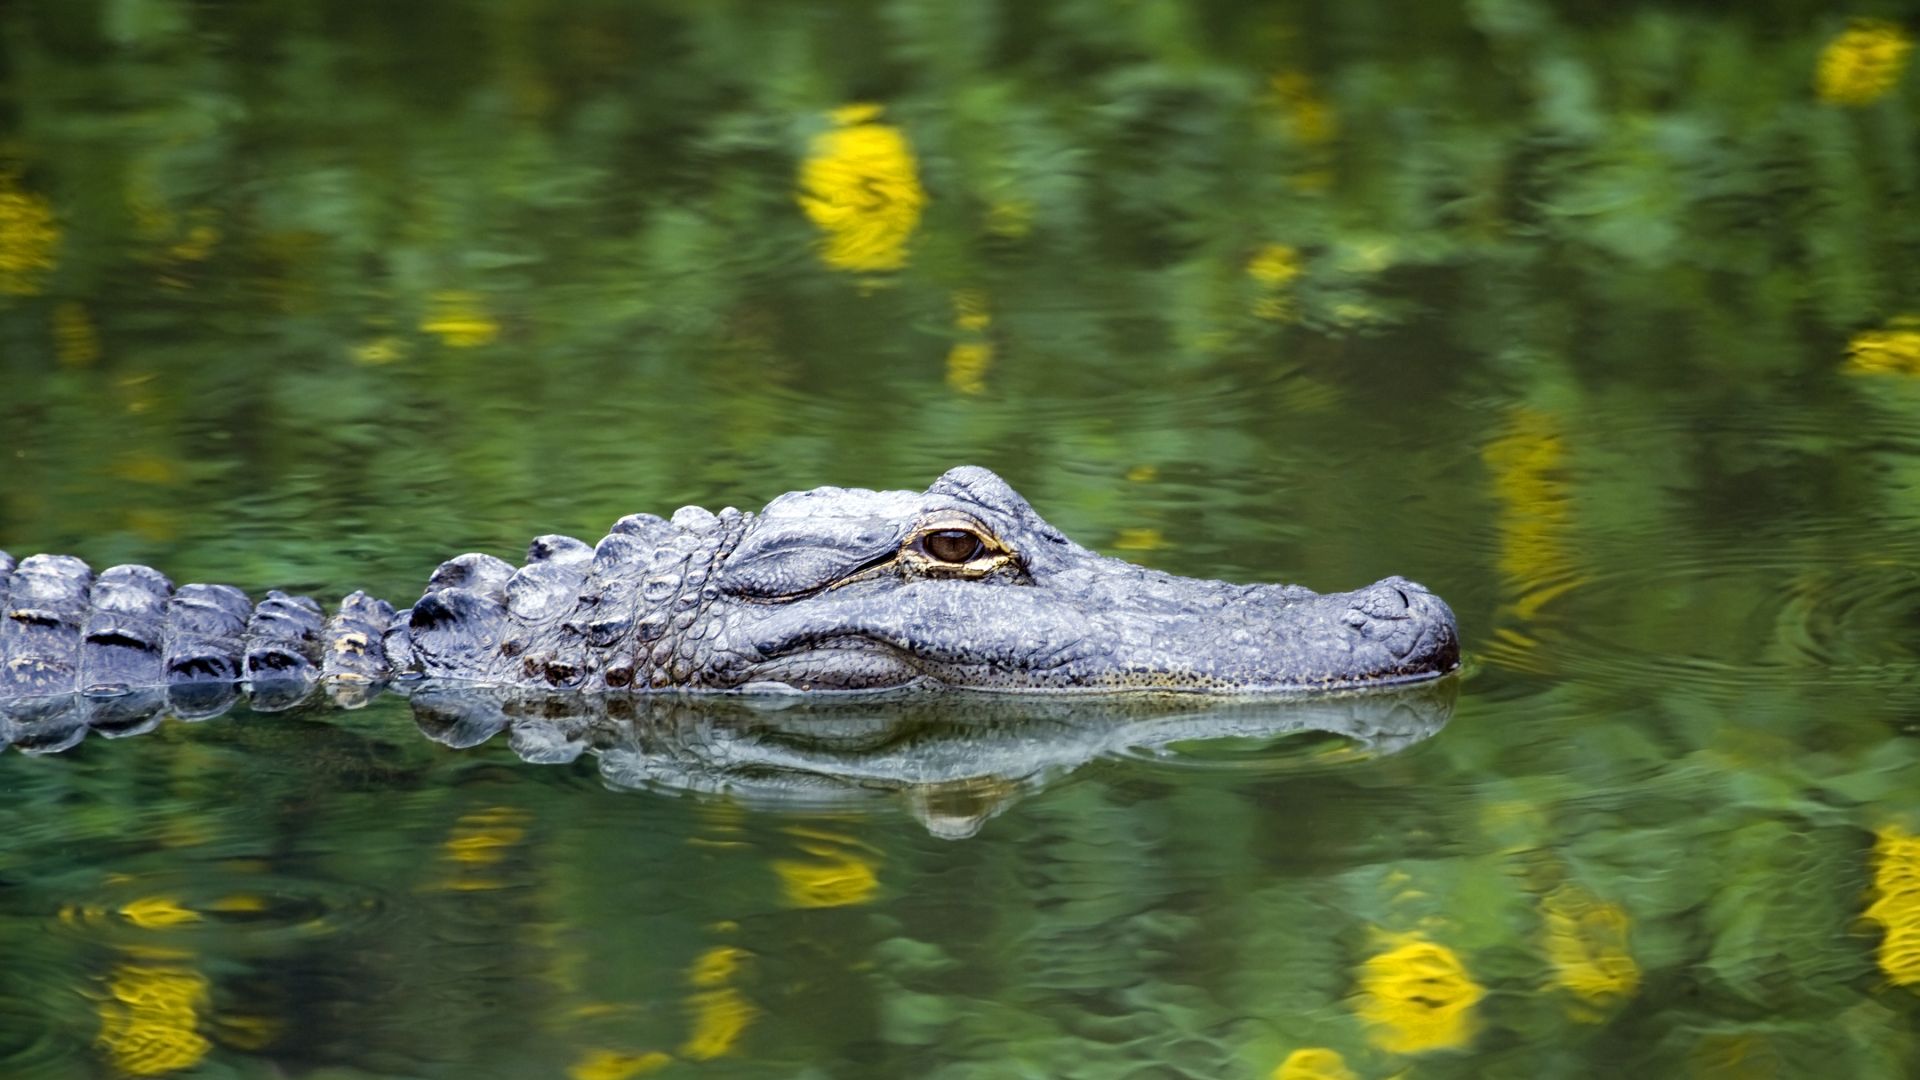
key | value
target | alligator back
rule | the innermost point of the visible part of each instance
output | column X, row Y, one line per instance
column 69, row 630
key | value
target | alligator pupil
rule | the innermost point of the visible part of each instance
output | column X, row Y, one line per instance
column 953, row 545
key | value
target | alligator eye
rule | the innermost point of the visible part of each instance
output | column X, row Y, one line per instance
column 953, row 545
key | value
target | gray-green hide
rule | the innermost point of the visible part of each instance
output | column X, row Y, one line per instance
column 962, row 585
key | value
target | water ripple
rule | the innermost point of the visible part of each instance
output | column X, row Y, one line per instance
column 234, row 913
column 1725, row 619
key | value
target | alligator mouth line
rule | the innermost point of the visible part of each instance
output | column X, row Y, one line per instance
column 924, row 674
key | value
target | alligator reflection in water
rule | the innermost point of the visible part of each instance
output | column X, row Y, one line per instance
column 955, row 761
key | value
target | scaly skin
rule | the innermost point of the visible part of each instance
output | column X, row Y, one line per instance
column 961, row 585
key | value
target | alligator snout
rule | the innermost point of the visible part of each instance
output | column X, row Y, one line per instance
column 1410, row 623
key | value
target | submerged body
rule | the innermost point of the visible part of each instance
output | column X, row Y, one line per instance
column 962, row 585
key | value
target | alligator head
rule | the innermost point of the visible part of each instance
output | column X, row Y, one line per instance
column 965, row 585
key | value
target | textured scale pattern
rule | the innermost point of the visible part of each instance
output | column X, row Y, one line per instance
column 831, row 588
column 65, row 630
column 626, row 613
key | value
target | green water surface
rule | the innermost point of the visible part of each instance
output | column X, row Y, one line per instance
column 1601, row 320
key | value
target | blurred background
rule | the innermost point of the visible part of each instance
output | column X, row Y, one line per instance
column 1600, row 319
column 484, row 264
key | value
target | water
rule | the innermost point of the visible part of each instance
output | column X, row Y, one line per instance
column 1599, row 323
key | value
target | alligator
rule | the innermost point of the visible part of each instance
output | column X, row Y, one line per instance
column 962, row 585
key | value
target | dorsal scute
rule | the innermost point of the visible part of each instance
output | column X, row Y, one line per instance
column 355, row 642
column 456, row 632
column 57, row 585
column 484, row 574
column 610, row 591
column 549, row 586
column 46, row 603
column 206, row 633
column 132, row 588
column 540, row 591
column 646, row 528
column 558, row 549
column 694, row 519
column 283, row 648
column 123, row 643
column 618, row 553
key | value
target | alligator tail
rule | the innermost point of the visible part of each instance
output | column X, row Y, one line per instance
column 127, row 630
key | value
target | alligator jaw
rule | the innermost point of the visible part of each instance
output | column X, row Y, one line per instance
column 1134, row 631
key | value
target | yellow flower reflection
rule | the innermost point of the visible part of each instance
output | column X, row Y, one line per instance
column 158, row 913
column 861, row 187
column 478, row 843
column 971, row 357
column 460, row 319
column 720, row 1012
column 1274, row 265
column 1863, row 63
column 829, row 880
column 1273, row 268
column 719, row 1019
column 150, row 1018
column 1010, row 219
column 386, row 349
column 613, row 1065
column 482, row 839
column 1892, row 350
column 75, row 342
column 197, row 244
column 716, row 966
column 1535, row 508
column 1309, row 118
column 1417, row 996
column 970, row 310
column 837, row 873
column 1314, row 1063
column 1586, row 942
column 1139, row 539
column 28, row 238
column 967, row 365
column 1896, row 902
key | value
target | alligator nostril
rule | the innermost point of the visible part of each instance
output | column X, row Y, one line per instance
column 1384, row 602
